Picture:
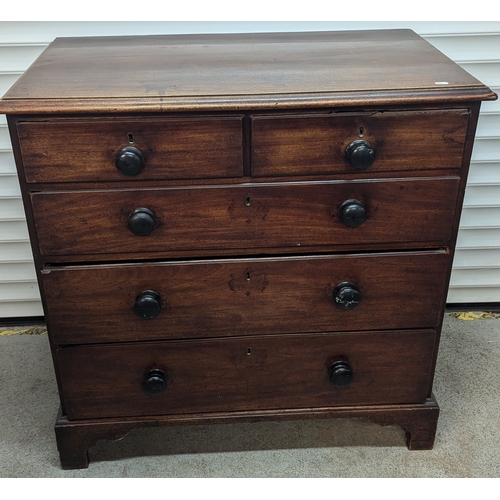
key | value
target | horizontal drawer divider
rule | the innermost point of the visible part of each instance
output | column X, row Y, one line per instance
column 248, row 338
column 239, row 258
column 246, row 180
column 234, row 182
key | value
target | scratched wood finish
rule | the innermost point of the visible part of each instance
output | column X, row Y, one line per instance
column 219, row 375
column 232, row 71
column 183, row 148
column 402, row 141
column 88, row 304
column 279, row 215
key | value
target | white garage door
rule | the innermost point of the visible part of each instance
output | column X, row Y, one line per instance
column 475, row 46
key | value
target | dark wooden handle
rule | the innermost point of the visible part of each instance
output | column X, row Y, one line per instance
column 346, row 295
column 340, row 374
column 141, row 221
column 360, row 154
column 129, row 160
column 155, row 382
column 148, row 304
column 352, row 213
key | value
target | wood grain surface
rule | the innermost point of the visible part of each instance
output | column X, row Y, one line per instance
column 315, row 144
column 231, row 297
column 270, row 70
column 279, row 215
column 86, row 150
column 219, row 375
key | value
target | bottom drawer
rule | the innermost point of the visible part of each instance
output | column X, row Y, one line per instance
column 252, row 373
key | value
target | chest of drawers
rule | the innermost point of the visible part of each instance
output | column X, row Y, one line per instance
column 239, row 227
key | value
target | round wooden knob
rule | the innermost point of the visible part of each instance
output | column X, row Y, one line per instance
column 129, row 160
column 352, row 213
column 340, row 374
column 154, row 383
column 346, row 295
column 360, row 154
column 148, row 304
column 141, row 221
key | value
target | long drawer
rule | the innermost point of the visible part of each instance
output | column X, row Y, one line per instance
column 275, row 215
column 219, row 375
column 317, row 143
column 195, row 299
column 171, row 148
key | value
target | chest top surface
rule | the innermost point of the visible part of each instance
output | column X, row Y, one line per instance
column 236, row 71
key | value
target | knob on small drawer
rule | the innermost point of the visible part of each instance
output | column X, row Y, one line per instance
column 346, row 295
column 129, row 160
column 148, row 304
column 360, row 154
column 352, row 213
column 141, row 221
column 340, row 374
column 154, row 383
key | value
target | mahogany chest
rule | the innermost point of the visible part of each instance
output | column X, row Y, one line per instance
column 243, row 226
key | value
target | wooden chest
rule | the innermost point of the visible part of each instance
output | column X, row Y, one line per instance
column 240, row 227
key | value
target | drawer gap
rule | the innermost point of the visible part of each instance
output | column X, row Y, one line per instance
column 252, row 257
column 246, row 338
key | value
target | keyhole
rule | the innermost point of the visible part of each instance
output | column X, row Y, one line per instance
column 130, row 137
column 248, row 276
column 248, row 201
column 361, row 131
column 249, row 351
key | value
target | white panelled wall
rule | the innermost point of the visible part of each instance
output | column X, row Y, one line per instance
column 476, row 268
column 474, row 45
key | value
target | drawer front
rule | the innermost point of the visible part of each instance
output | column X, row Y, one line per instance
column 87, row 150
column 110, row 303
column 294, row 215
column 316, row 144
column 255, row 373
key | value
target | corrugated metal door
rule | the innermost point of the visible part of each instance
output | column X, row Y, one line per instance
column 475, row 46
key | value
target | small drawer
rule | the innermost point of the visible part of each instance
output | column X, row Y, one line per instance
column 254, row 373
column 341, row 143
column 336, row 214
column 132, row 149
column 235, row 297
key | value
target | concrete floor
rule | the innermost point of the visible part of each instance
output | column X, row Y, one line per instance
column 467, row 388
